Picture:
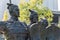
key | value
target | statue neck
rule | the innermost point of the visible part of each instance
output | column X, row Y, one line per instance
column 13, row 18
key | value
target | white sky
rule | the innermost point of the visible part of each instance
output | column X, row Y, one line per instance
column 59, row 5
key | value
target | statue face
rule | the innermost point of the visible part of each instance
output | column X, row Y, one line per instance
column 44, row 23
column 34, row 19
column 16, row 11
column 33, row 16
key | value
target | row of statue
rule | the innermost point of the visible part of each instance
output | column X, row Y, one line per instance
column 13, row 29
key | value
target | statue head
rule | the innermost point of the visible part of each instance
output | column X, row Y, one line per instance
column 13, row 10
column 44, row 23
column 33, row 16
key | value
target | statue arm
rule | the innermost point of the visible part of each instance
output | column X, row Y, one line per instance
column 2, row 27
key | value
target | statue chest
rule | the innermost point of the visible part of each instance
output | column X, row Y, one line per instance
column 16, row 27
column 16, row 31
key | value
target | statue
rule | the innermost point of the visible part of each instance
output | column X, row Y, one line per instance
column 36, row 27
column 13, row 29
column 53, row 32
column 36, row 31
column 33, row 19
column 43, row 31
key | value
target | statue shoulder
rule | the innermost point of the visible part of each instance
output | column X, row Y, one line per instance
column 2, row 23
column 2, row 26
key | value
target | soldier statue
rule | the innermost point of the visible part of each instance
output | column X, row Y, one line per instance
column 39, row 30
column 13, row 29
column 53, row 32
column 33, row 19
column 36, row 26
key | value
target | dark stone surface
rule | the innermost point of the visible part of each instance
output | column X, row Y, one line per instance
column 35, row 32
column 53, row 32
column 38, row 30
